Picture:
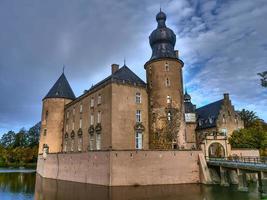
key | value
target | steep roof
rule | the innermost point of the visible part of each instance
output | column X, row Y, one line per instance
column 208, row 114
column 61, row 89
column 125, row 75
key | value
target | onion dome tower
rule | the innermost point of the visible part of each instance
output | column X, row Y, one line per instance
column 53, row 116
column 165, row 89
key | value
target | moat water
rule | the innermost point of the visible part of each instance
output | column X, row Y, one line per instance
column 25, row 185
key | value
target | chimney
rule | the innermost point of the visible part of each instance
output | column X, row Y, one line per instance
column 226, row 96
column 176, row 53
column 114, row 68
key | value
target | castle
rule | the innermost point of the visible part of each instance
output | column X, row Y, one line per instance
column 122, row 117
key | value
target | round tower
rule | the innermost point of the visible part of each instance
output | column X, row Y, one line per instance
column 53, row 116
column 165, row 89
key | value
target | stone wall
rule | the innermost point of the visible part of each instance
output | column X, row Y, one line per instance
column 116, row 168
column 245, row 152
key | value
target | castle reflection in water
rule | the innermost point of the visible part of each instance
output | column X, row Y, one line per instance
column 50, row 189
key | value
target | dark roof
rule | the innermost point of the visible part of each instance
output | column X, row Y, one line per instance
column 208, row 114
column 162, row 39
column 124, row 75
column 61, row 89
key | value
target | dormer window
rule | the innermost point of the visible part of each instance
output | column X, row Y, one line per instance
column 210, row 120
column 200, row 122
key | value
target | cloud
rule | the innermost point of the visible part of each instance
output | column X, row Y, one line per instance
column 223, row 45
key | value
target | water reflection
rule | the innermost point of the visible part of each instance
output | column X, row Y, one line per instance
column 47, row 189
column 17, row 186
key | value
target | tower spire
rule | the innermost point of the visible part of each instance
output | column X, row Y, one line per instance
column 63, row 69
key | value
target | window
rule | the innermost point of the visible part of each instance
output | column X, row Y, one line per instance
column 167, row 68
column 167, row 82
column 99, row 99
column 169, row 99
column 138, row 140
column 224, row 131
column 68, row 114
column 224, row 121
column 81, row 108
column 169, row 116
column 80, row 143
column 98, row 141
column 138, row 116
column 81, row 122
column 65, row 145
column 91, row 142
column 73, row 124
column 210, row 120
column 92, row 102
column 92, row 119
column 72, row 144
column 73, row 111
column 138, row 97
column 67, row 127
column 46, row 115
column 45, row 132
column 99, row 117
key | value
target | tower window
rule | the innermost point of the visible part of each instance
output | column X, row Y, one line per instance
column 138, row 116
column 99, row 99
column 138, row 97
column 46, row 115
column 169, row 116
column 45, row 132
column 167, row 67
column 169, row 99
column 167, row 82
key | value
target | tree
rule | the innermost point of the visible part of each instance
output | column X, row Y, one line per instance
column 248, row 117
column 8, row 139
column 33, row 135
column 263, row 76
column 253, row 137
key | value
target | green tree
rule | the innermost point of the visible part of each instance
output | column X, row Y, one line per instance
column 249, row 117
column 263, row 76
column 20, row 138
column 253, row 137
column 33, row 135
column 8, row 139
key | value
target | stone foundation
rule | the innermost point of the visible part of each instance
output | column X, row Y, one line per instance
column 121, row 168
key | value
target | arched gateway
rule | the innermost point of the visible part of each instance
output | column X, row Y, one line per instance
column 216, row 150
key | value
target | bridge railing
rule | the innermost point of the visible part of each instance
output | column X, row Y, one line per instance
column 243, row 159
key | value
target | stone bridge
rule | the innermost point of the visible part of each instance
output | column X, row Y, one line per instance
column 231, row 167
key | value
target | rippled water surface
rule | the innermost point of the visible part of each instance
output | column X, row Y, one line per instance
column 25, row 185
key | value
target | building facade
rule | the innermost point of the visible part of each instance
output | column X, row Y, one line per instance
column 122, row 112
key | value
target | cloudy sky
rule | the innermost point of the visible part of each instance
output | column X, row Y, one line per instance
column 222, row 43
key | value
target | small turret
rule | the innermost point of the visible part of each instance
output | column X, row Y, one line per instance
column 53, row 116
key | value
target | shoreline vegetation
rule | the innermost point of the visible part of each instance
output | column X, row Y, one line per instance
column 20, row 149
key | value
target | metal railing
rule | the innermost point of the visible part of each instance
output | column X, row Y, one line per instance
column 240, row 159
